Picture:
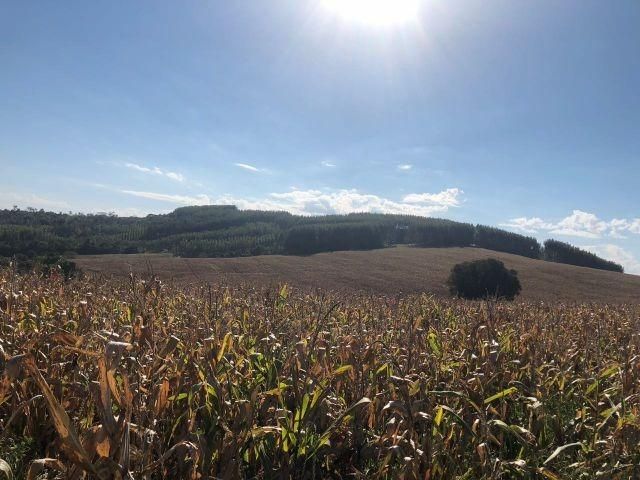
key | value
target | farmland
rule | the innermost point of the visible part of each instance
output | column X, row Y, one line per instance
column 132, row 377
column 386, row 271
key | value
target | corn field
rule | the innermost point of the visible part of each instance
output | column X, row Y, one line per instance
column 136, row 378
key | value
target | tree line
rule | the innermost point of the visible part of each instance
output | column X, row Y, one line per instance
column 226, row 231
column 561, row 252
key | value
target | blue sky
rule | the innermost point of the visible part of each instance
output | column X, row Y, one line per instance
column 519, row 114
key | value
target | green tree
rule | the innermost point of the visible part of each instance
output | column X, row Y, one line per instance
column 484, row 279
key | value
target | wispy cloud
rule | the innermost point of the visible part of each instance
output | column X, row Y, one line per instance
column 24, row 200
column 175, row 176
column 171, row 198
column 317, row 202
column 328, row 164
column 405, row 166
column 578, row 224
column 248, row 167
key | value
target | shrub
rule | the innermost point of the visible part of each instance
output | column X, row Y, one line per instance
column 53, row 264
column 482, row 279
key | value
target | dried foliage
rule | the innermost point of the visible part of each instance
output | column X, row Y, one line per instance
column 141, row 379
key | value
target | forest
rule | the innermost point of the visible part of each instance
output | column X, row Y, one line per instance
column 226, row 231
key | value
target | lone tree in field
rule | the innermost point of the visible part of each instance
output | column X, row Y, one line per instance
column 484, row 279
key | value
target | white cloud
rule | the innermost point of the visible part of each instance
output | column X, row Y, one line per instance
column 170, row 198
column 326, row 163
column 132, row 211
column 617, row 254
column 405, row 166
column 248, row 167
column 448, row 197
column 578, row 224
column 316, row 202
column 581, row 224
column 319, row 202
column 528, row 225
column 301, row 202
column 621, row 226
column 178, row 177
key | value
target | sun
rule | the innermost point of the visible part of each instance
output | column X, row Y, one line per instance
column 375, row 12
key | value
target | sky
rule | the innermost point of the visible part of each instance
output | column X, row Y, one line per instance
column 523, row 115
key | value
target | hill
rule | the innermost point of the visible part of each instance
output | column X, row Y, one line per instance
column 226, row 231
column 383, row 271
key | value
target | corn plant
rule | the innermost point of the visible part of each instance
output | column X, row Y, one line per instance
column 136, row 378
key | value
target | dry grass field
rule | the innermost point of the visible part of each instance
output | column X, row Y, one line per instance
column 387, row 271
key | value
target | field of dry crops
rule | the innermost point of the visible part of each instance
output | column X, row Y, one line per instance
column 387, row 271
column 140, row 379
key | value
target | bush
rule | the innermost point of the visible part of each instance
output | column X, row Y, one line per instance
column 59, row 265
column 483, row 279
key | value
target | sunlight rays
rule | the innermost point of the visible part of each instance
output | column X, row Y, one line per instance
column 381, row 13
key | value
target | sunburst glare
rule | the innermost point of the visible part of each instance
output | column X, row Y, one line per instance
column 375, row 12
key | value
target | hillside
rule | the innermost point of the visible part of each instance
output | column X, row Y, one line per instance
column 390, row 271
column 226, row 231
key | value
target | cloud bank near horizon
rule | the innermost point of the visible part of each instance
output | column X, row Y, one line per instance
column 319, row 202
column 588, row 226
column 295, row 201
column 578, row 224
